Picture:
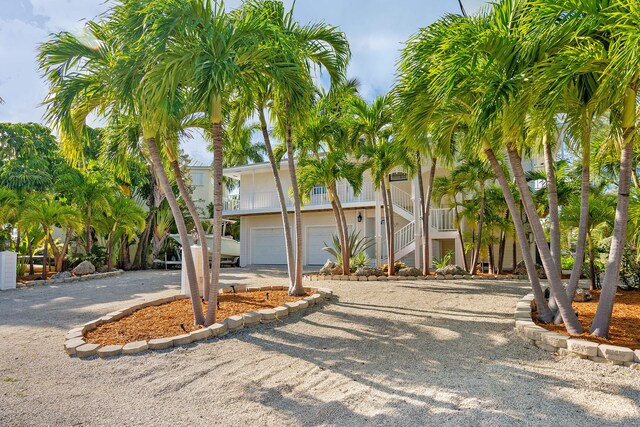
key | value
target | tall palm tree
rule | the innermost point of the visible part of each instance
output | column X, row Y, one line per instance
column 102, row 72
column 476, row 174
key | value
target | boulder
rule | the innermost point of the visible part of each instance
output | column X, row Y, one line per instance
column 582, row 296
column 84, row 268
column 103, row 269
column 330, row 268
column 369, row 271
column 451, row 270
column 62, row 275
column 521, row 270
column 410, row 271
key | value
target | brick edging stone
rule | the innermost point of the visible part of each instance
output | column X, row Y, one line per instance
column 565, row 345
column 83, row 278
column 75, row 345
column 354, row 278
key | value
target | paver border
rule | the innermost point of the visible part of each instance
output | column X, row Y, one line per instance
column 564, row 345
column 354, row 278
column 75, row 345
column 83, row 278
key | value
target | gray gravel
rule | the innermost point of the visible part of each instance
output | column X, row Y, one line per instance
column 382, row 353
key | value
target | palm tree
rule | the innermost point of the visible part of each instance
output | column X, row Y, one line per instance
column 476, row 174
column 122, row 220
column 370, row 123
column 103, row 73
column 48, row 212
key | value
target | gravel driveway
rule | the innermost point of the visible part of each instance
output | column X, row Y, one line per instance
column 382, row 353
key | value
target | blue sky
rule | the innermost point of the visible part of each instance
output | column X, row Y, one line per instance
column 376, row 30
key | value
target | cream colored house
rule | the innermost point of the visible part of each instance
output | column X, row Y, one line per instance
column 261, row 224
column 255, row 202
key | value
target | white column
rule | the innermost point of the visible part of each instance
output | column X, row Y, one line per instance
column 417, row 218
column 378, row 230
column 8, row 266
column 196, row 250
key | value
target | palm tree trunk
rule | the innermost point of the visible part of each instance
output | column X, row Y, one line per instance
column 460, row 237
column 216, row 251
column 583, row 224
column 281, row 198
column 552, row 193
column 110, row 250
column 30, row 250
column 423, row 220
column 501, row 248
column 391, row 226
column 426, row 256
column 184, row 193
column 592, row 263
column 297, row 289
column 543, row 310
column 63, row 250
column 569, row 317
column 476, row 251
column 142, row 241
column 154, row 154
column 45, row 254
column 385, row 211
column 343, row 245
column 87, row 231
column 343, row 230
column 602, row 319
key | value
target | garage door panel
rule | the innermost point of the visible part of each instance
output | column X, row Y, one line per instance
column 268, row 246
column 316, row 239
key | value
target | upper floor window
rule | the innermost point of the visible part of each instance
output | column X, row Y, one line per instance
column 319, row 189
column 397, row 176
column 198, row 179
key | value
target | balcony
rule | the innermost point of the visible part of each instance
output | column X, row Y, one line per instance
column 261, row 202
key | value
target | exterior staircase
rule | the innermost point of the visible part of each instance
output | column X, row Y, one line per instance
column 404, row 242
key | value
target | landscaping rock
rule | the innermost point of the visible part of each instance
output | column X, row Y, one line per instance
column 281, row 312
column 87, row 350
column 160, row 343
column 451, row 270
column 268, row 315
column 251, row 318
column 582, row 347
column 71, row 345
column 582, row 296
column 330, row 268
column 62, row 275
column 110, row 350
column 521, row 270
column 369, row 271
column 218, row 329
column 84, row 268
column 614, row 352
column 233, row 322
column 410, row 271
column 135, row 347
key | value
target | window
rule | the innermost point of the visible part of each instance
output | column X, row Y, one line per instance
column 319, row 189
column 198, row 179
column 398, row 176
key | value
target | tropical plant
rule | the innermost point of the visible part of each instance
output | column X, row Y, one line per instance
column 444, row 261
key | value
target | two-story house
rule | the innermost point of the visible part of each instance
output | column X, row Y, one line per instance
column 255, row 203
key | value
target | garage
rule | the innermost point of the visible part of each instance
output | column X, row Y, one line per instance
column 316, row 238
column 267, row 246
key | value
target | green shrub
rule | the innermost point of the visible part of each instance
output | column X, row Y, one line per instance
column 567, row 262
column 444, row 261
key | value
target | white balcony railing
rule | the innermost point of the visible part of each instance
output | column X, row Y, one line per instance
column 442, row 219
column 405, row 236
column 402, row 199
column 269, row 199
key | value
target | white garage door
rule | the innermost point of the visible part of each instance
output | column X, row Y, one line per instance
column 267, row 246
column 316, row 238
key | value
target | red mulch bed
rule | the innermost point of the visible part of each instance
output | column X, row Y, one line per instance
column 625, row 322
column 176, row 318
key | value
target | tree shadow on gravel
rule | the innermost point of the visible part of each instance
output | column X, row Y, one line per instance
column 423, row 366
